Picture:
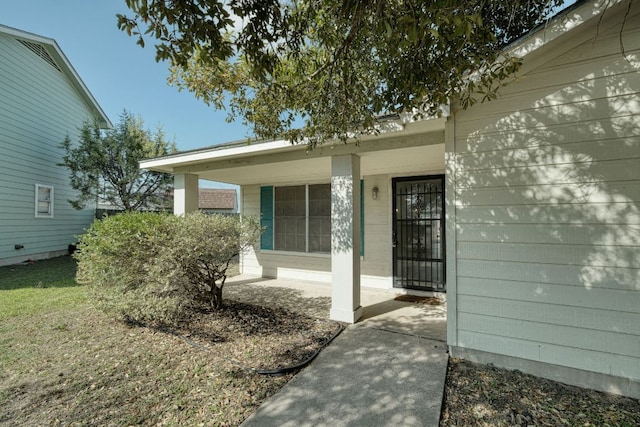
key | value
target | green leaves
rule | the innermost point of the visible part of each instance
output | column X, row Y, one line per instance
column 150, row 267
column 333, row 66
column 118, row 262
column 104, row 165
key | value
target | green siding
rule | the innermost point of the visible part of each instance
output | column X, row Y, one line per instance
column 38, row 108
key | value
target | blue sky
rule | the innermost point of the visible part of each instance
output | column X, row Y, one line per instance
column 119, row 73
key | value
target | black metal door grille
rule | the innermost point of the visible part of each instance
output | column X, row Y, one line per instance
column 418, row 233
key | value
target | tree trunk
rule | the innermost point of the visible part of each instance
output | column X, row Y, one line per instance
column 217, row 297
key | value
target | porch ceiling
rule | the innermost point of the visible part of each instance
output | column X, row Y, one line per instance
column 412, row 160
column 416, row 150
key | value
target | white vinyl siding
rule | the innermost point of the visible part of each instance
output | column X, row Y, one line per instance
column 376, row 265
column 547, row 208
column 38, row 108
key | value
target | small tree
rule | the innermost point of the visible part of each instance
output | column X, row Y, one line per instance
column 105, row 165
column 205, row 245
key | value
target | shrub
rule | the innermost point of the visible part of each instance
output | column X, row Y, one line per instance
column 152, row 267
column 203, row 247
column 118, row 262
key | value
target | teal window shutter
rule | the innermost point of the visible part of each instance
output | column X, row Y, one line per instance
column 362, row 217
column 266, row 217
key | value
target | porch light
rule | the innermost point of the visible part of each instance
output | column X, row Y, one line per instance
column 374, row 193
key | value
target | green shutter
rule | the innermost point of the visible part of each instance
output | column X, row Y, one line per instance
column 266, row 217
column 362, row 217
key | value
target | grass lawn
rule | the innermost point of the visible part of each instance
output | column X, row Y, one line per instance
column 44, row 285
column 64, row 363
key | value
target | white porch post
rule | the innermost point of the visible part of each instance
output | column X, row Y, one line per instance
column 185, row 193
column 345, row 238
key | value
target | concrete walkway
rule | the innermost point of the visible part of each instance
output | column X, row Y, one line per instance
column 387, row 370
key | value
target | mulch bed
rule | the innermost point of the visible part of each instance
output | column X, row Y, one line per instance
column 270, row 338
column 480, row 395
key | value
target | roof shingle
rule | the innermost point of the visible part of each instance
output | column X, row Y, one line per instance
column 217, row 198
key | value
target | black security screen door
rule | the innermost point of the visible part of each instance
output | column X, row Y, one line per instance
column 418, row 233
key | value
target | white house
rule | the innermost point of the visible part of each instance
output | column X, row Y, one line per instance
column 42, row 100
column 524, row 210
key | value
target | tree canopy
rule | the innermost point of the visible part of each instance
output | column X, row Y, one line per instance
column 104, row 165
column 337, row 66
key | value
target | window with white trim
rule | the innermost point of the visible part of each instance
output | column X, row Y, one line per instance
column 44, row 201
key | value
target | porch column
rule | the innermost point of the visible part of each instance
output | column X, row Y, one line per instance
column 185, row 193
column 345, row 238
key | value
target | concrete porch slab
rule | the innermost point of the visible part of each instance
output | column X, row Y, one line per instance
column 380, row 310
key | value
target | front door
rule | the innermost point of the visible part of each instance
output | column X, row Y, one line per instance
column 418, row 233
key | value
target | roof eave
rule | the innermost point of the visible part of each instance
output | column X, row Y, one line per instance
column 565, row 21
column 237, row 150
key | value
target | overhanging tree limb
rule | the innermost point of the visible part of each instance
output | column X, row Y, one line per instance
column 333, row 65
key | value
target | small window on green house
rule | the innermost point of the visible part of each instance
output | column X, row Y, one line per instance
column 44, row 201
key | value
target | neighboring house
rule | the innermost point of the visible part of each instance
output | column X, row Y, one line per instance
column 42, row 100
column 218, row 200
column 525, row 210
column 210, row 200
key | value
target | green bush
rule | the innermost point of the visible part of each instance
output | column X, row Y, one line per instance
column 152, row 267
column 203, row 247
column 118, row 262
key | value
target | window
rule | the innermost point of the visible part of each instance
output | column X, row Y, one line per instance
column 302, row 218
column 298, row 218
column 320, row 218
column 290, row 219
column 44, row 201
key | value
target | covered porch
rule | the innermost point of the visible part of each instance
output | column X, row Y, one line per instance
column 360, row 178
column 379, row 306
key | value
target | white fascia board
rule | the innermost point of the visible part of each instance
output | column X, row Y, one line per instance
column 239, row 149
column 558, row 26
column 25, row 35
column 217, row 153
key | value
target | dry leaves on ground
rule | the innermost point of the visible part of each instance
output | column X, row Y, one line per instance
column 79, row 368
column 480, row 395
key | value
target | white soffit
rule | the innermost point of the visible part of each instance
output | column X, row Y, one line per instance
column 415, row 160
column 241, row 154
